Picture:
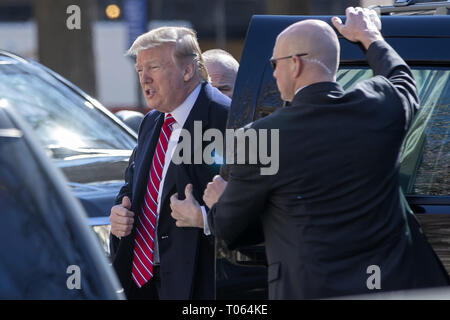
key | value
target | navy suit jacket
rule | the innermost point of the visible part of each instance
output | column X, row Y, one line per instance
column 186, row 254
column 335, row 210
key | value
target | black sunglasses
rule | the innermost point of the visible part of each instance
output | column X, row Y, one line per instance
column 273, row 61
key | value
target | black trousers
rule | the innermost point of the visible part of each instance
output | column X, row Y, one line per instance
column 148, row 291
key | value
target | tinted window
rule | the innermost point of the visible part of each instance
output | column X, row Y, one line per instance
column 65, row 123
column 427, row 147
column 425, row 158
column 38, row 242
column 425, row 167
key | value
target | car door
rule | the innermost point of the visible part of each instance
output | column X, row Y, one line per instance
column 425, row 162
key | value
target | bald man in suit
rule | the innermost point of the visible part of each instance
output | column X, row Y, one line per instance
column 334, row 213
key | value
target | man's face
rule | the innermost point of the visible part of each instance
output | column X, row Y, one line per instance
column 221, row 78
column 282, row 72
column 161, row 80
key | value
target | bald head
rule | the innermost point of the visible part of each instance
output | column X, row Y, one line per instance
column 317, row 39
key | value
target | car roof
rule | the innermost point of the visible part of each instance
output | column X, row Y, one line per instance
column 430, row 33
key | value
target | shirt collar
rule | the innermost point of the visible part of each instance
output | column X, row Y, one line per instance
column 298, row 90
column 181, row 112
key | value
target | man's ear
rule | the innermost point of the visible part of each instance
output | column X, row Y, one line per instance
column 296, row 66
column 188, row 71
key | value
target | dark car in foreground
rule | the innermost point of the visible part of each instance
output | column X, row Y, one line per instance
column 87, row 142
column 424, row 42
column 47, row 250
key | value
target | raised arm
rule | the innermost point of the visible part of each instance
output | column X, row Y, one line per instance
column 363, row 25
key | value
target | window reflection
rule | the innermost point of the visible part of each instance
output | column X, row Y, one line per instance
column 67, row 138
column 59, row 116
column 425, row 161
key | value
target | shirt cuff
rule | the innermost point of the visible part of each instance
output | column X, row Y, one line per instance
column 206, row 229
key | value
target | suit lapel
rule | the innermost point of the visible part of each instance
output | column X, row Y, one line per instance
column 180, row 173
column 144, row 159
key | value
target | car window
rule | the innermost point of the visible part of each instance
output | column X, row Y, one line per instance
column 37, row 243
column 429, row 134
column 425, row 160
column 425, row 166
column 65, row 123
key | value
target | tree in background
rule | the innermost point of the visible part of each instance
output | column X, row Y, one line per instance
column 69, row 52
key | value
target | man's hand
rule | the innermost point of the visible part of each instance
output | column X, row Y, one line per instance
column 187, row 212
column 122, row 218
column 361, row 25
column 214, row 190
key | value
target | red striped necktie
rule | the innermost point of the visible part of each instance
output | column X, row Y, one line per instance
column 142, row 270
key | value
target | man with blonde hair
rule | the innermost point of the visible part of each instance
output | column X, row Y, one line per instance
column 153, row 258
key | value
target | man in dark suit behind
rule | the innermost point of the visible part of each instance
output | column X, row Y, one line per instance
column 334, row 220
column 152, row 257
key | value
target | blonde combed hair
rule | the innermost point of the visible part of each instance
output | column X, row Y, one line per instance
column 185, row 41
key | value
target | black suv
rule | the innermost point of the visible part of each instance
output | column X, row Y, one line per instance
column 424, row 42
